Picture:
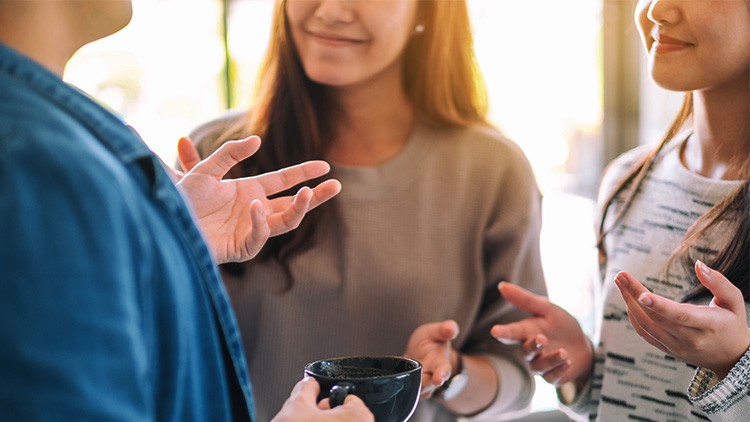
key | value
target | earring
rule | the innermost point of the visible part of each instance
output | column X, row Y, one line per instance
column 419, row 28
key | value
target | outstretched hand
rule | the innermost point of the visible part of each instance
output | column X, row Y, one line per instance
column 698, row 335
column 551, row 340
column 235, row 215
column 301, row 406
column 430, row 344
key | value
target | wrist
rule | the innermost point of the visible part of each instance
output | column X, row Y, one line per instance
column 723, row 370
column 456, row 361
column 456, row 383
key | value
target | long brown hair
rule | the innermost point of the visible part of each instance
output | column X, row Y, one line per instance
column 294, row 115
column 734, row 260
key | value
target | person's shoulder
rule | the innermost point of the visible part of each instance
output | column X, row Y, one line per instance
column 484, row 152
column 208, row 134
column 479, row 139
column 41, row 144
column 620, row 166
column 630, row 157
column 623, row 163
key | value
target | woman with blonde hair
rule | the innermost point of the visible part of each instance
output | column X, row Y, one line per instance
column 437, row 206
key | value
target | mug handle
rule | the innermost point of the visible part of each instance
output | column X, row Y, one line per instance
column 338, row 394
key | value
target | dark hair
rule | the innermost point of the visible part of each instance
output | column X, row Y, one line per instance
column 733, row 259
column 295, row 115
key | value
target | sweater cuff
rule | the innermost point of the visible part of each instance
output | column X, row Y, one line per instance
column 514, row 392
column 713, row 395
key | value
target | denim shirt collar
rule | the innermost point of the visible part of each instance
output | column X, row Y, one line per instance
column 110, row 129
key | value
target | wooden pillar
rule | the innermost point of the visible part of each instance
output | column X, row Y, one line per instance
column 622, row 69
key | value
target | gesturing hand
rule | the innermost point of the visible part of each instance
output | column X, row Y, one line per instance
column 235, row 215
column 551, row 340
column 713, row 336
column 430, row 344
column 301, row 406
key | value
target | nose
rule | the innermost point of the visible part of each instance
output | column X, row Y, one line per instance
column 664, row 12
column 333, row 12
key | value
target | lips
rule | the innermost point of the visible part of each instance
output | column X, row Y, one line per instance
column 333, row 39
column 665, row 44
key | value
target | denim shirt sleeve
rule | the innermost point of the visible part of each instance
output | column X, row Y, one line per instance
column 87, row 359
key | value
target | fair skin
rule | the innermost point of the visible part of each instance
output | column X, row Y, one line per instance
column 235, row 215
column 696, row 46
column 704, row 48
column 221, row 206
column 552, row 341
column 301, row 406
column 355, row 49
column 695, row 334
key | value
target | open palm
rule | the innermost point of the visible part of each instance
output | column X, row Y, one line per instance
column 235, row 215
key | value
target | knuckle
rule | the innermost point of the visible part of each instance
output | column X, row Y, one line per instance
column 682, row 317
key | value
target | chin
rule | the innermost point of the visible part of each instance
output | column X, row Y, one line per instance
column 333, row 79
column 114, row 16
column 673, row 81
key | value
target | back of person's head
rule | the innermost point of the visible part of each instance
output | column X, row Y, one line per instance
column 50, row 32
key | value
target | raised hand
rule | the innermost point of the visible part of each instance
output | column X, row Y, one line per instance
column 714, row 336
column 301, row 406
column 430, row 344
column 235, row 215
column 551, row 340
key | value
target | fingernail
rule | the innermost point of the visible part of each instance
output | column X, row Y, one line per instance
column 645, row 300
column 703, row 268
column 537, row 343
column 619, row 278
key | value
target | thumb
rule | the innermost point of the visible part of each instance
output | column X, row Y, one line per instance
column 187, row 153
column 524, row 299
column 726, row 294
column 447, row 330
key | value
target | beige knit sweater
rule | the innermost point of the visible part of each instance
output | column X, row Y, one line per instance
column 424, row 237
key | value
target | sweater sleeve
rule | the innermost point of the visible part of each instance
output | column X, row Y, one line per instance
column 727, row 399
column 511, row 253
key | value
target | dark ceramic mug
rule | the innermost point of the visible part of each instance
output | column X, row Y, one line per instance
column 389, row 385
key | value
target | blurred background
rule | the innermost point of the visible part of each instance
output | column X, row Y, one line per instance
column 566, row 80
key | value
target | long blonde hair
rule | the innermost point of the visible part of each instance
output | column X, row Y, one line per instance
column 295, row 115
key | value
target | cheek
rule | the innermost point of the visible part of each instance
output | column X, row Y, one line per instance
column 727, row 41
column 297, row 10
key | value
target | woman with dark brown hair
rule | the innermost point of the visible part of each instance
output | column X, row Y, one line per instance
column 437, row 206
column 674, row 243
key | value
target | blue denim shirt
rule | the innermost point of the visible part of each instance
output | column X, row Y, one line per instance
column 110, row 305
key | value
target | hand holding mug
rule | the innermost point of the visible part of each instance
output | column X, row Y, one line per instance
column 388, row 385
column 301, row 406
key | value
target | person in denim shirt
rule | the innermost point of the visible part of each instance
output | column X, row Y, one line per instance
column 111, row 305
